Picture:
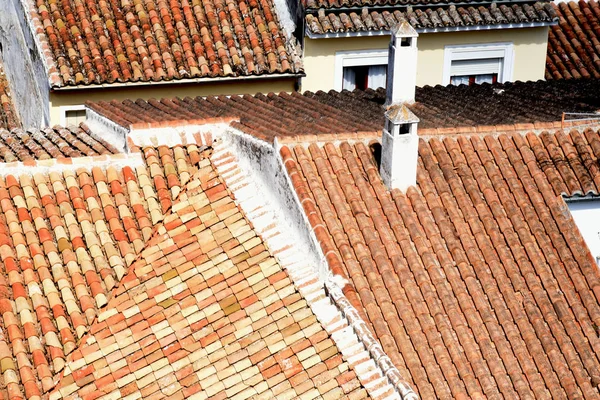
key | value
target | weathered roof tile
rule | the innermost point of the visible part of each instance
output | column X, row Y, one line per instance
column 150, row 41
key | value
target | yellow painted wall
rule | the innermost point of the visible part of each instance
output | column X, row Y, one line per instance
column 529, row 58
column 60, row 98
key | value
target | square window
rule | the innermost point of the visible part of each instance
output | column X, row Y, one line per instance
column 364, row 76
column 476, row 64
column 360, row 69
column 74, row 117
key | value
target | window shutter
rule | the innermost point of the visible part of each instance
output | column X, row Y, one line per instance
column 478, row 66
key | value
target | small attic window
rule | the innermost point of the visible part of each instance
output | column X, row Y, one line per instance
column 586, row 214
column 72, row 115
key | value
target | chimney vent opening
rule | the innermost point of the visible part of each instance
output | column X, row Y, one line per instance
column 404, row 129
column 405, row 42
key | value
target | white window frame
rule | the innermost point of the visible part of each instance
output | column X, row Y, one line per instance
column 586, row 219
column 503, row 50
column 63, row 112
column 356, row 58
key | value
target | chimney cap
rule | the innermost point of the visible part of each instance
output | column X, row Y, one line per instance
column 404, row 30
column 401, row 114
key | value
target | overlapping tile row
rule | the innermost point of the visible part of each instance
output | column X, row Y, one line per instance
column 574, row 44
column 315, row 4
column 204, row 311
column 150, row 41
column 570, row 161
column 346, row 113
column 365, row 19
column 58, row 142
column 66, row 240
column 474, row 280
column 8, row 115
column 288, row 114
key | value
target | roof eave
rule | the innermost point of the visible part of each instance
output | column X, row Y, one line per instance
column 180, row 81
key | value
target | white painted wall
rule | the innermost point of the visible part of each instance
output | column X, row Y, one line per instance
column 587, row 217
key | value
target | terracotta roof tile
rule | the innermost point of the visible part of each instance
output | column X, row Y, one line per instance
column 191, row 318
column 574, row 44
column 347, row 114
column 440, row 17
column 148, row 41
column 68, row 238
column 8, row 116
column 479, row 256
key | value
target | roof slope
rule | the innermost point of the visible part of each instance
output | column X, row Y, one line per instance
column 438, row 17
column 574, row 44
column 204, row 311
column 476, row 281
column 123, row 41
column 66, row 238
column 324, row 113
column 8, row 115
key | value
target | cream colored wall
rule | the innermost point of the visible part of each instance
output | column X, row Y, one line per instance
column 61, row 98
column 529, row 54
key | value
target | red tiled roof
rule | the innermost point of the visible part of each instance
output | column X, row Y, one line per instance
column 91, row 42
column 8, row 116
column 48, row 143
column 66, row 239
column 574, row 44
column 369, row 20
column 206, row 310
column 346, row 113
column 476, row 281
column 137, row 273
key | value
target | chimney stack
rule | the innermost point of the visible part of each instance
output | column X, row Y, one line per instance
column 400, row 143
column 402, row 65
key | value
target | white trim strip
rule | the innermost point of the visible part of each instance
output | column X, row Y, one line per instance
column 339, row 35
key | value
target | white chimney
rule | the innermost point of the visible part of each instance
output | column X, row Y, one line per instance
column 402, row 65
column 399, row 148
column 400, row 143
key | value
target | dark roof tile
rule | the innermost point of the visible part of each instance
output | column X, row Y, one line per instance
column 57, row 142
column 291, row 115
column 324, row 21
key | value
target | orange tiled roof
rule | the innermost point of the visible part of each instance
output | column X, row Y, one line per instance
column 138, row 274
column 67, row 238
column 91, row 42
column 476, row 281
column 8, row 116
column 574, row 44
column 48, row 143
column 206, row 310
